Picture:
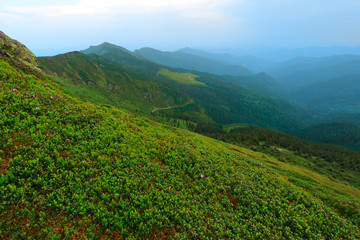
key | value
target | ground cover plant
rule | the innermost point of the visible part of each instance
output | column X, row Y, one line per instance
column 70, row 169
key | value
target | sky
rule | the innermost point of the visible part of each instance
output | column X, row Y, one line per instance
column 49, row 27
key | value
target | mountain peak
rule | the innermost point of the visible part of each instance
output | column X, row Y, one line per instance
column 103, row 48
column 18, row 54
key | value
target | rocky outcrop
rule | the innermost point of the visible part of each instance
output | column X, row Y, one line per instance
column 17, row 54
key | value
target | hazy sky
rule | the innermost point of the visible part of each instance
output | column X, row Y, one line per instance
column 48, row 27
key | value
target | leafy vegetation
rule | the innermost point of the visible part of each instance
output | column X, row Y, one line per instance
column 72, row 169
column 184, row 78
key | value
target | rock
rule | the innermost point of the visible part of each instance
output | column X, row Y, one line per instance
column 18, row 55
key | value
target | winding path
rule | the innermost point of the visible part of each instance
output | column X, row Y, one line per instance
column 169, row 107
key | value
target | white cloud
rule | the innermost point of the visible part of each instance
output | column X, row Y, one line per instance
column 8, row 15
column 88, row 7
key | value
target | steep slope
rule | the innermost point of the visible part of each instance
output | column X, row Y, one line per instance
column 302, row 71
column 340, row 95
column 191, row 62
column 254, row 64
column 70, row 169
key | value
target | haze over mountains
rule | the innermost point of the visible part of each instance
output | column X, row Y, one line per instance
column 302, row 71
column 283, row 54
column 184, row 60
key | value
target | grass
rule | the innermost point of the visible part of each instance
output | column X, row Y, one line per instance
column 184, row 78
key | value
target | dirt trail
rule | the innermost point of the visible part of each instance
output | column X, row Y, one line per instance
column 169, row 107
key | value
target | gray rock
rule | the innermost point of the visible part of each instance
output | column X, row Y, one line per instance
column 18, row 55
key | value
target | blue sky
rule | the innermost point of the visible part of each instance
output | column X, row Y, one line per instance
column 48, row 27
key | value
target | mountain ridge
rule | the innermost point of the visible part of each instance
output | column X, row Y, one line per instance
column 192, row 62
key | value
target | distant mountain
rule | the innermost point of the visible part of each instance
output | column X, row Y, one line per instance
column 302, row 71
column 254, row 64
column 192, row 62
column 259, row 83
column 340, row 95
column 284, row 54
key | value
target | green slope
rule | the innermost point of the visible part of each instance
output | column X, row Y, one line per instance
column 72, row 169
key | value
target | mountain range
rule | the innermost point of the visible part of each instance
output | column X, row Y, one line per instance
column 219, row 100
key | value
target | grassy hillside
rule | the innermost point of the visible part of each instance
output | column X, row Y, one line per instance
column 70, row 169
column 184, row 78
